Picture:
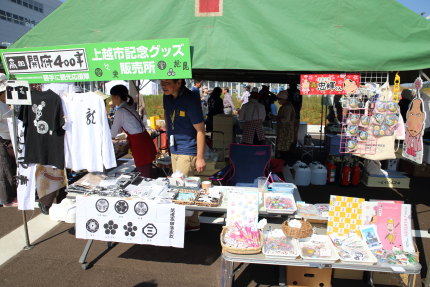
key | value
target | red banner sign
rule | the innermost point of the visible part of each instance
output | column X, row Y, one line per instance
column 329, row 84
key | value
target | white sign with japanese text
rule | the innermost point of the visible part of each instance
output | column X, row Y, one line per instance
column 129, row 220
column 54, row 61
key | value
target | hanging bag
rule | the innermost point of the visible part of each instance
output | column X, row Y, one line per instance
column 384, row 144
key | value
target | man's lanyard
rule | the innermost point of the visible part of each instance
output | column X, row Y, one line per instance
column 172, row 120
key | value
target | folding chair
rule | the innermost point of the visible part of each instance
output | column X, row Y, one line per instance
column 247, row 162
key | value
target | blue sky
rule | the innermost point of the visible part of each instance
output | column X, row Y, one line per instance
column 417, row 6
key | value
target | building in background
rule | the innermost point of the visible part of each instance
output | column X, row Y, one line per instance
column 19, row 16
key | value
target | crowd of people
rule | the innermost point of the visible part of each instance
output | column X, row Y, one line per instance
column 257, row 107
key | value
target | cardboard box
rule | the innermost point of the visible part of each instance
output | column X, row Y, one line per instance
column 413, row 169
column 348, row 274
column 306, row 276
column 392, row 279
column 394, row 180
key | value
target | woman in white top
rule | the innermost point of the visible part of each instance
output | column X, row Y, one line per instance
column 7, row 160
column 127, row 119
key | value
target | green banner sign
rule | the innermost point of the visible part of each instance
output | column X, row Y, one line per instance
column 135, row 60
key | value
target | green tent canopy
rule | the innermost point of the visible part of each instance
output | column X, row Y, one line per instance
column 253, row 39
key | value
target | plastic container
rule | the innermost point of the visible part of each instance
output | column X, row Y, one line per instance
column 318, row 175
column 277, row 245
column 297, row 164
column 303, row 175
column 283, row 187
column 314, row 164
column 280, row 203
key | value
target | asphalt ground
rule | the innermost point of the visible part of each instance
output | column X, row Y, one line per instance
column 53, row 261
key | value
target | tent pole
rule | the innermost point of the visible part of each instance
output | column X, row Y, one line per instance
column 424, row 75
column 15, row 139
column 321, row 124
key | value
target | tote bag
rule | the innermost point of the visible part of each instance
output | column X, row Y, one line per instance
column 384, row 145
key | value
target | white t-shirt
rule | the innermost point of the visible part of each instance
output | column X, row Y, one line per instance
column 88, row 143
column 4, row 114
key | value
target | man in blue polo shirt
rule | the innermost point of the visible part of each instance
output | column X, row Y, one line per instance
column 185, row 131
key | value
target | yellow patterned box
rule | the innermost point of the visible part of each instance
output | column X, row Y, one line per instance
column 344, row 215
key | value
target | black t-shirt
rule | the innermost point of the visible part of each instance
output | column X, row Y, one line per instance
column 9, row 91
column 44, row 135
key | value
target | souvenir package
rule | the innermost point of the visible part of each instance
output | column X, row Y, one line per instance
column 352, row 249
column 280, row 203
column 307, row 210
column 345, row 215
column 402, row 257
column 89, row 182
column 394, row 226
column 323, row 208
column 370, row 236
column 211, row 197
column 192, row 181
column 276, row 244
column 319, row 248
column 368, row 212
column 243, row 207
column 241, row 239
column 176, row 181
column 185, row 195
column 396, row 257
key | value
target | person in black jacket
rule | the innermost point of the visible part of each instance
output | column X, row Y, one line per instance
column 215, row 107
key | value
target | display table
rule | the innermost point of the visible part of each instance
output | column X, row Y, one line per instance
column 205, row 219
column 228, row 260
column 128, row 166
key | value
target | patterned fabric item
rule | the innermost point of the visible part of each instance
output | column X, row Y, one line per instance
column 251, row 128
column 285, row 127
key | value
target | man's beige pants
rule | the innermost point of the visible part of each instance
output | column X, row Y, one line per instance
column 186, row 164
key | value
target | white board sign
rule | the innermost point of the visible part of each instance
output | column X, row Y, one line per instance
column 18, row 93
column 128, row 220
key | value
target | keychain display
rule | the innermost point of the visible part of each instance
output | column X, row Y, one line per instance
column 370, row 115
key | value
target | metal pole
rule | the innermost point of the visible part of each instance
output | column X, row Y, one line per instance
column 15, row 139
